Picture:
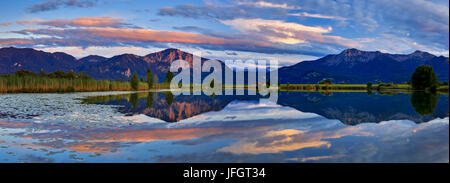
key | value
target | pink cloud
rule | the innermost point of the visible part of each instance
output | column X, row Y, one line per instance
column 79, row 22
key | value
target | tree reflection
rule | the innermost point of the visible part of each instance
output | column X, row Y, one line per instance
column 169, row 97
column 149, row 100
column 424, row 102
column 134, row 99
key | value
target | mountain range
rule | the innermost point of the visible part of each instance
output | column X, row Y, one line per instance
column 349, row 66
column 356, row 66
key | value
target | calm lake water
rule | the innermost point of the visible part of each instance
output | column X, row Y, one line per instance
column 160, row 127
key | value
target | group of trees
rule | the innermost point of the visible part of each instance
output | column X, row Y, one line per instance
column 424, row 85
column 423, row 79
column 57, row 74
column 150, row 79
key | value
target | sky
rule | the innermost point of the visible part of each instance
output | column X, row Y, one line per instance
column 289, row 31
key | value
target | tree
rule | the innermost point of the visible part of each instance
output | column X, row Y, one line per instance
column 369, row 85
column 156, row 79
column 169, row 77
column 21, row 73
column 134, row 81
column 149, row 78
column 325, row 81
column 424, row 78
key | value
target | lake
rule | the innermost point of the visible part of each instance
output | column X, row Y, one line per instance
column 160, row 127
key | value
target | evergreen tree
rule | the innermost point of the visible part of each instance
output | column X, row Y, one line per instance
column 149, row 78
column 156, row 79
column 169, row 77
column 134, row 81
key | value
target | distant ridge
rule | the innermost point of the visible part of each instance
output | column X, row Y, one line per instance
column 349, row 66
column 356, row 66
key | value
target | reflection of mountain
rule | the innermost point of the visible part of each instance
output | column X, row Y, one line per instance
column 355, row 108
column 349, row 108
column 180, row 107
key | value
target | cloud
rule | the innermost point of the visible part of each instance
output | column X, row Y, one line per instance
column 278, row 31
column 269, row 5
column 279, row 141
column 393, row 43
column 305, row 14
column 11, row 42
column 114, row 36
column 79, row 22
column 221, row 12
column 56, row 4
column 5, row 24
column 426, row 22
column 231, row 53
column 258, row 24
column 111, row 37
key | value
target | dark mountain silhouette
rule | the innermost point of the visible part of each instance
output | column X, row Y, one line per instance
column 92, row 58
column 117, row 67
column 123, row 66
column 13, row 59
column 356, row 66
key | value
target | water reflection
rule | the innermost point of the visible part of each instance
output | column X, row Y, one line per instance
column 349, row 108
column 424, row 102
column 302, row 127
column 134, row 100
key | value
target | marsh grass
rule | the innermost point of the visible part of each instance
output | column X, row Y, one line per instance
column 32, row 83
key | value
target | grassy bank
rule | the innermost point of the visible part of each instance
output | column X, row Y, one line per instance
column 351, row 87
column 59, row 82
column 30, row 84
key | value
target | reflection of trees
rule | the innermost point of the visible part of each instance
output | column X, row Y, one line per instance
column 134, row 99
column 424, row 102
column 150, row 100
column 169, row 97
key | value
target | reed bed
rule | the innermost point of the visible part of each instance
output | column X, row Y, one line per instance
column 43, row 84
